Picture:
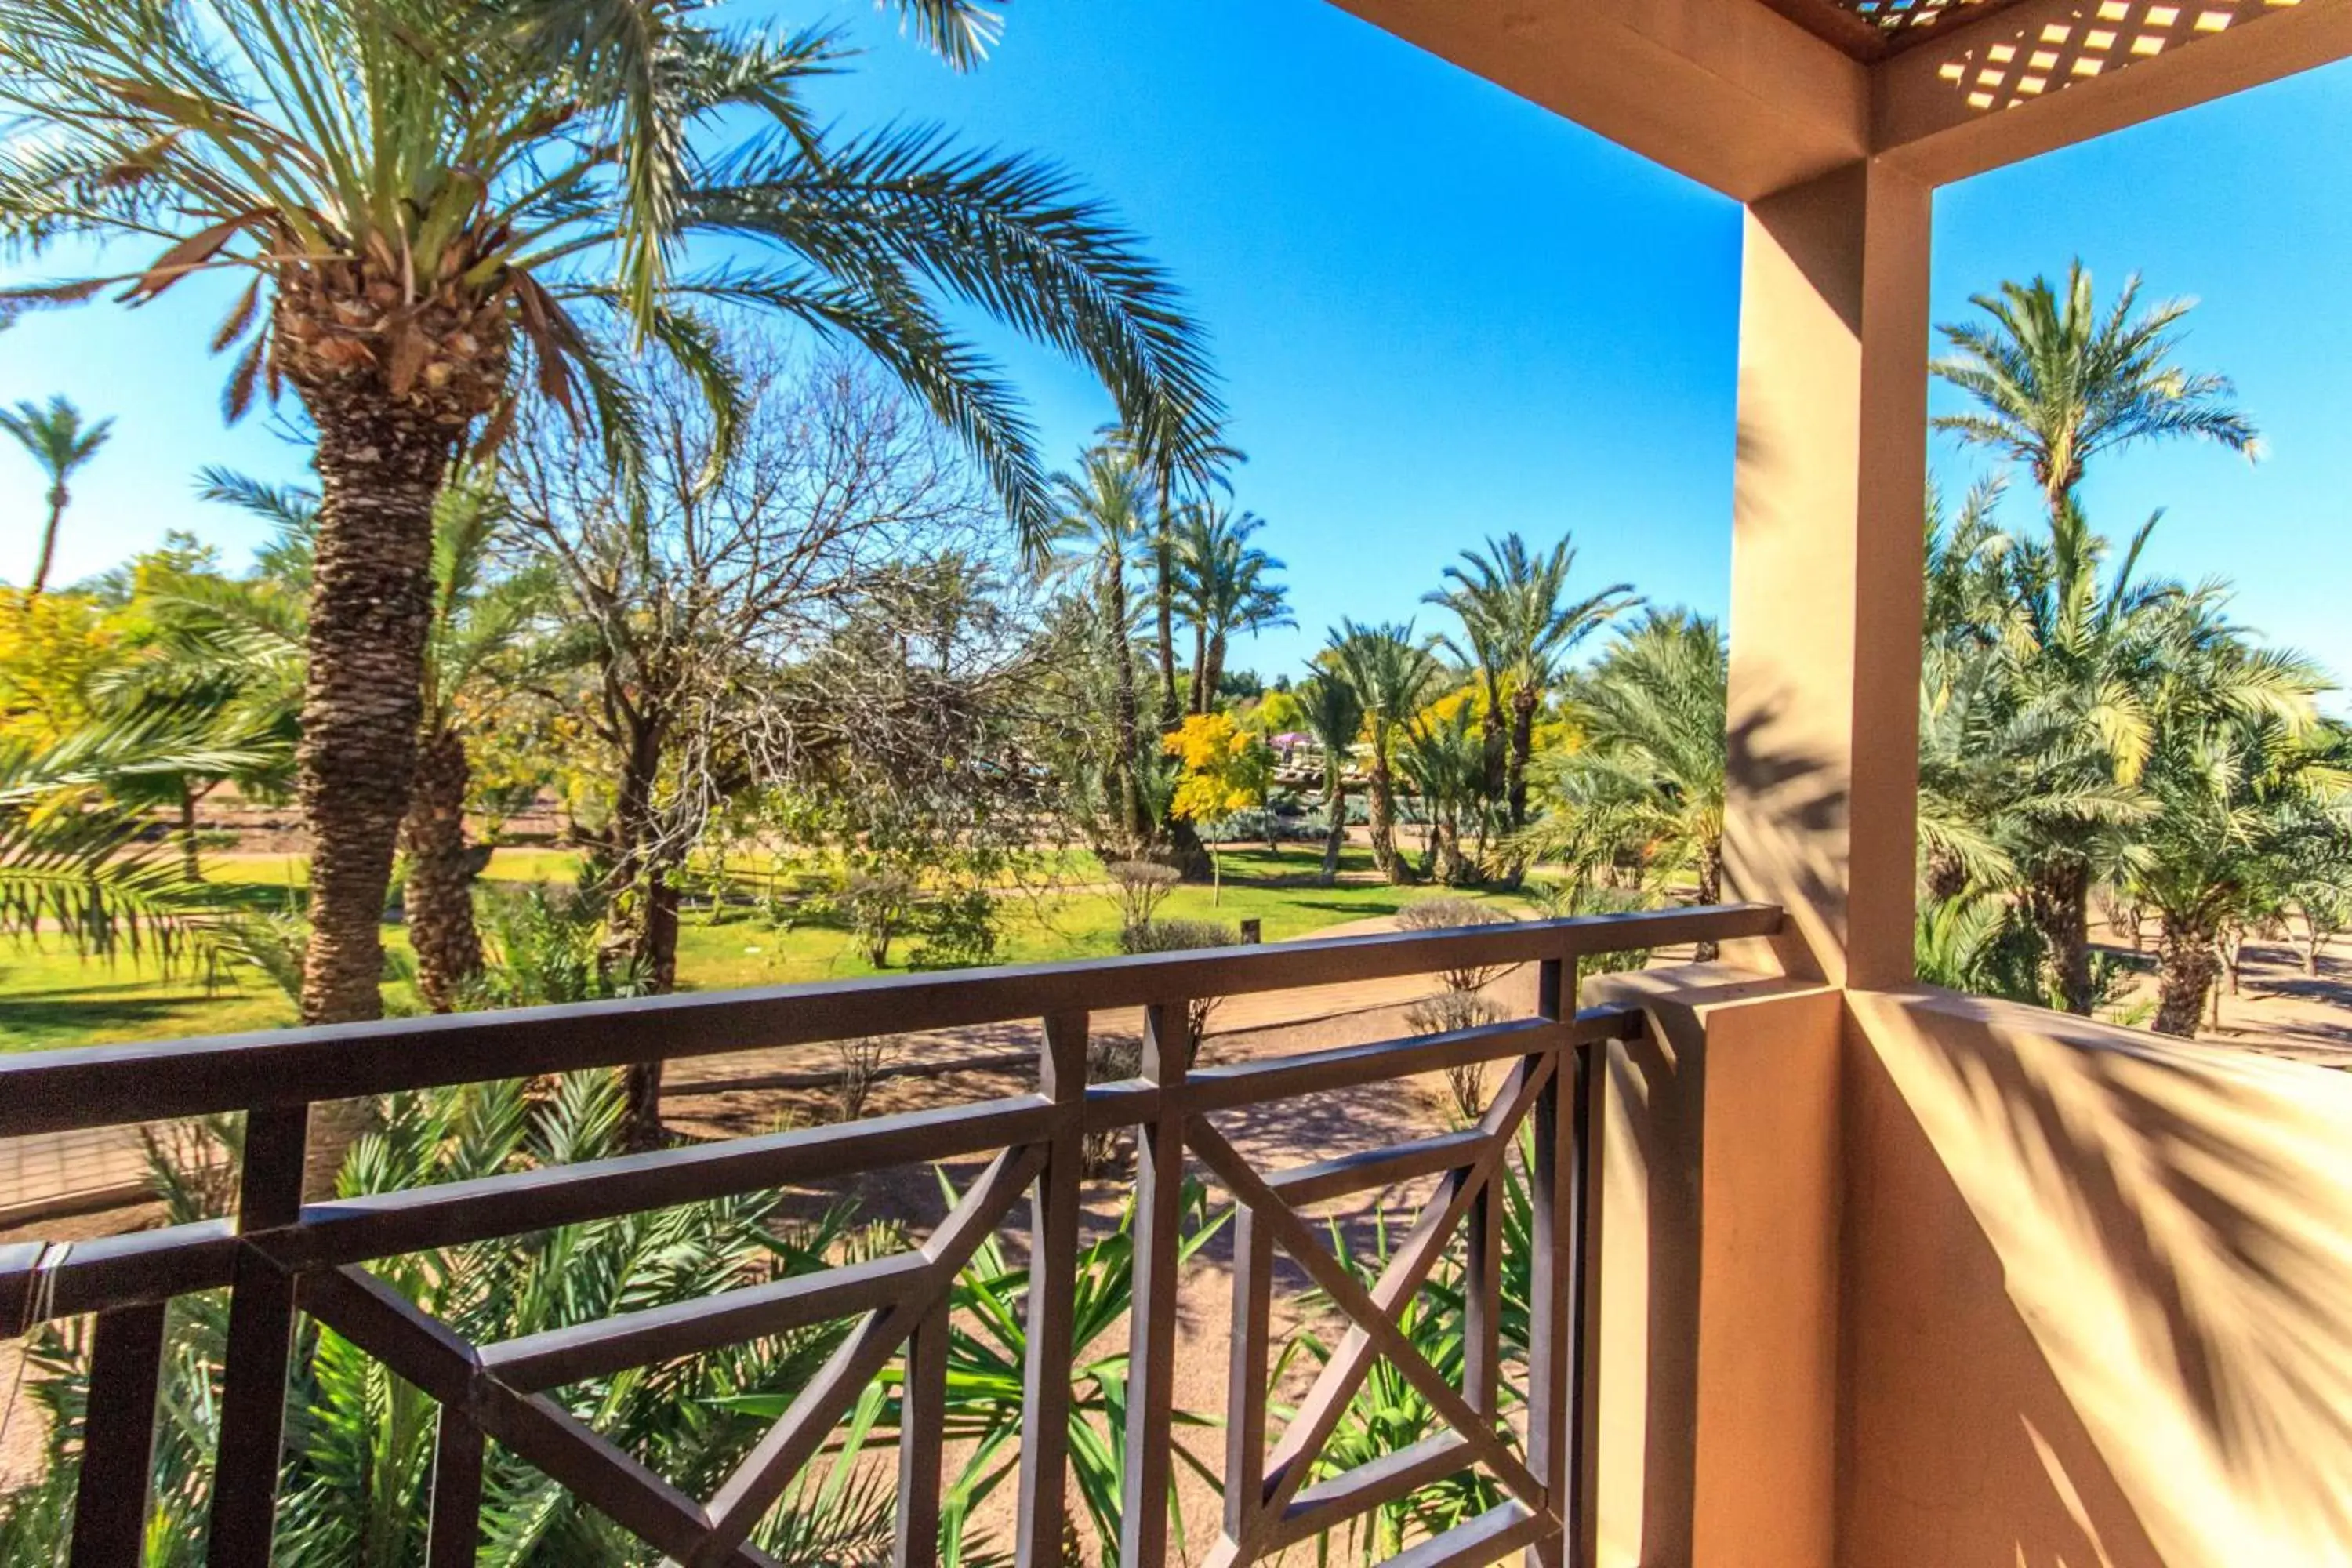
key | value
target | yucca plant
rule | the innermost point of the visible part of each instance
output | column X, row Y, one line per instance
column 421, row 195
column 360, row 1441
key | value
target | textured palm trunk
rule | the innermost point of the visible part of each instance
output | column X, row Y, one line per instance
column 439, row 894
column 1135, row 817
column 380, row 469
column 2188, row 962
column 48, row 545
column 189, row 858
column 1946, row 877
column 1200, row 698
column 1523, row 745
column 1446, row 837
column 1710, row 891
column 1380, row 798
column 2058, row 902
column 393, row 382
column 1163, row 593
column 1335, row 831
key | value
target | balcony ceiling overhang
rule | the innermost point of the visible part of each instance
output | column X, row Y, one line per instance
column 1754, row 96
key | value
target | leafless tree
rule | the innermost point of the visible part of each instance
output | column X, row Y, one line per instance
column 711, row 591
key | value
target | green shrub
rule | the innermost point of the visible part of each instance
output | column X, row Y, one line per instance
column 959, row 931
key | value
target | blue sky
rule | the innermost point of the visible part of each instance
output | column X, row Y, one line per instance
column 1443, row 313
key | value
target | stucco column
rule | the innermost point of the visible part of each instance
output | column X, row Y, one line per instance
column 1821, row 810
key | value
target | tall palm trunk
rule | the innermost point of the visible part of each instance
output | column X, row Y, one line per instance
column 48, row 543
column 1200, row 703
column 1335, row 831
column 2058, row 902
column 1381, row 812
column 2188, row 962
column 393, row 389
column 190, row 860
column 439, row 894
column 1163, row 595
column 1710, row 891
column 641, row 939
column 1124, row 714
column 379, row 467
column 1523, row 746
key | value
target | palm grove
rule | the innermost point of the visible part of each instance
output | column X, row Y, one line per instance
column 570, row 487
column 787, row 607
column 653, row 480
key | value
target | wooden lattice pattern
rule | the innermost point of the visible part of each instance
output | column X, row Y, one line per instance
column 283, row 1257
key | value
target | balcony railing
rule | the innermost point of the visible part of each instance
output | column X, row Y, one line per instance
column 280, row 1255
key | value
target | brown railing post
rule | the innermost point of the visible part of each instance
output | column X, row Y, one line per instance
column 1151, row 1353
column 922, row 1419
column 1584, row 1463
column 260, row 1336
column 1053, row 1286
column 454, row 1528
column 117, row 1437
column 1551, row 1279
column 1245, row 1386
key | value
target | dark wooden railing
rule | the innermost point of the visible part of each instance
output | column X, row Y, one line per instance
column 281, row 1255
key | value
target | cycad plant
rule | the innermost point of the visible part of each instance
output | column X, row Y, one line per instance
column 421, row 196
column 355, row 1484
column 1388, row 1414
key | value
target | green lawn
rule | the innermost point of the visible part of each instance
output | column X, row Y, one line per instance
column 50, row 998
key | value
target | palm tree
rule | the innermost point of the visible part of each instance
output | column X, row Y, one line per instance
column 247, row 637
column 2057, row 382
column 1167, row 516
column 62, row 444
column 423, row 193
column 2090, row 658
column 1223, row 585
column 482, row 626
column 2239, row 798
column 1334, row 715
column 1518, row 628
column 1651, row 768
column 1391, row 671
column 1102, row 523
column 1444, row 756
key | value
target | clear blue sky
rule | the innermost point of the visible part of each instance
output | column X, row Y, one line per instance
column 1443, row 313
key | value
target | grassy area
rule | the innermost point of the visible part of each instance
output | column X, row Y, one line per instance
column 49, row 997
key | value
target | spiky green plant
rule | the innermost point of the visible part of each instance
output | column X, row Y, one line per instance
column 358, row 1448
column 1388, row 1414
column 988, row 1352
